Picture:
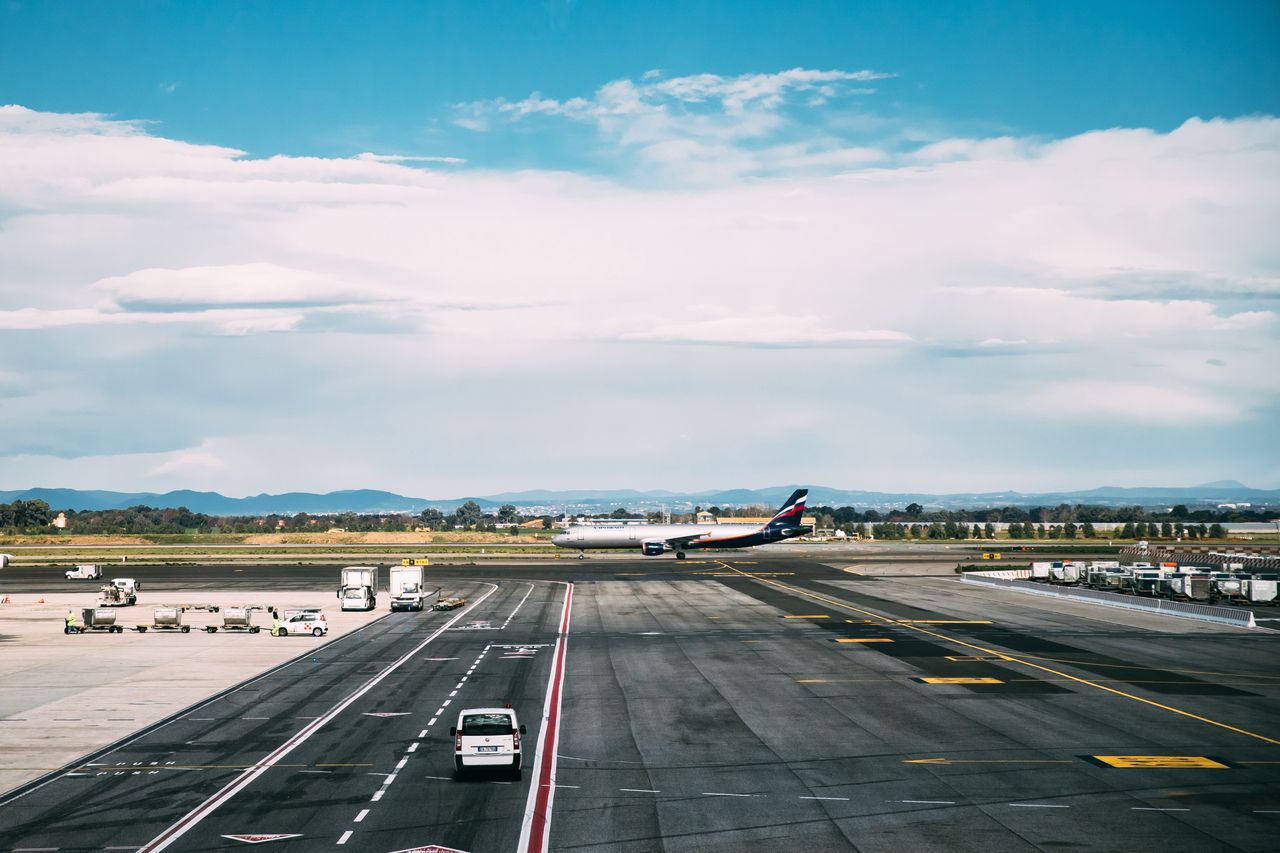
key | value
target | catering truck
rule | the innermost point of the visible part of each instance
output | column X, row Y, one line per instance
column 405, row 584
column 359, row 589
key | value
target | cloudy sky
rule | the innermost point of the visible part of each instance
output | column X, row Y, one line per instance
column 460, row 248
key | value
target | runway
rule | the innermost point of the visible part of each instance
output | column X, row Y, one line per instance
column 749, row 703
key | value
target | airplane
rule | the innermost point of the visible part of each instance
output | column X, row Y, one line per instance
column 655, row 539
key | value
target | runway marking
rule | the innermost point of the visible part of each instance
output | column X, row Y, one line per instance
column 423, row 733
column 1011, row 658
column 809, row 616
column 1266, row 811
column 863, row 640
column 345, row 836
column 841, row 799
column 933, row 680
column 184, row 824
column 640, row 790
column 944, row 622
column 535, row 828
column 518, row 606
column 360, row 817
column 986, row 761
column 926, row 802
column 377, row 795
column 1195, row 762
column 1149, row 809
column 413, row 747
column 1037, row 806
column 970, row 658
column 723, row 794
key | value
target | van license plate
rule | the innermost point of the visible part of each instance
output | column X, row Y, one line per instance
column 486, row 749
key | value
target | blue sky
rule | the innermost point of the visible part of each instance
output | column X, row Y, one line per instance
column 654, row 245
column 337, row 78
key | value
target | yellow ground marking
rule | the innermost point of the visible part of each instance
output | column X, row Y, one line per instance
column 1160, row 668
column 715, row 617
column 960, row 680
column 864, row 640
column 1018, row 660
column 809, row 616
column 1198, row 762
column 945, row 622
column 984, row 761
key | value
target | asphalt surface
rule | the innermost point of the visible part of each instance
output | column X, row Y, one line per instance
column 708, row 705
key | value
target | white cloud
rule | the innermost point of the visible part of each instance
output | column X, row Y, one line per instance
column 159, row 295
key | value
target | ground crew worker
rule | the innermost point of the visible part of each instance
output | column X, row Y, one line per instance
column 72, row 624
column 275, row 623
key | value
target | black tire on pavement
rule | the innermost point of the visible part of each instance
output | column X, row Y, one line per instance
column 316, row 632
column 186, row 629
column 284, row 632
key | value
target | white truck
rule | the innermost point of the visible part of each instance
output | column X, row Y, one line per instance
column 359, row 589
column 405, row 584
column 84, row 572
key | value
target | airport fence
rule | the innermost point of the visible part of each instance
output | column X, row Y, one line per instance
column 1204, row 612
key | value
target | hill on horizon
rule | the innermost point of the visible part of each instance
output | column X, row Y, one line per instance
column 375, row 501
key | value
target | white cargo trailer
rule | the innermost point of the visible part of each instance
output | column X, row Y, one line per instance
column 359, row 588
column 405, row 585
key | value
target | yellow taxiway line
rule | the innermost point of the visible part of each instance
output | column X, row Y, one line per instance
column 1005, row 656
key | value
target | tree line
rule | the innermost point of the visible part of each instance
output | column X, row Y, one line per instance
column 1063, row 521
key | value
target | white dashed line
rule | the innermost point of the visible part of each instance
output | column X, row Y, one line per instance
column 345, row 836
column 841, row 799
column 445, row 704
column 1037, row 806
column 413, row 747
column 927, row 802
column 454, row 693
column 430, row 723
column 723, row 794
column 423, row 733
column 640, row 790
column 402, row 763
column 1150, row 809
column 568, row 786
column 1266, row 811
column 377, row 795
column 361, row 816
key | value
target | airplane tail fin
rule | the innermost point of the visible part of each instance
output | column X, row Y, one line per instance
column 792, row 511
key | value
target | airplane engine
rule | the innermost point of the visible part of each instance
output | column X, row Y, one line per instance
column 653, row 547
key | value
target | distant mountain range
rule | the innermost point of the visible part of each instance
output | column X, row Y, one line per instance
column 371, row 500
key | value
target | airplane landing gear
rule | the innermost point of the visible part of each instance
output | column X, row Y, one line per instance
column 582, row 555
column 679, row 555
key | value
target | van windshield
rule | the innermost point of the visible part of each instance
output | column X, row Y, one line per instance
column 486, row 724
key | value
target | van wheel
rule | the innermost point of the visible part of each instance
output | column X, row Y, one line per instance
column 316, row 632
column 516, row 772
column 284, row 632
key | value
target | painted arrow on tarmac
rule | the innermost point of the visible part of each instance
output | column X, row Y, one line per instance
column 262, row 838
column 431, row 848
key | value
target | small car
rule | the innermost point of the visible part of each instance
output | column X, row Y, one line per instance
column 306, row 622
column 487, row 737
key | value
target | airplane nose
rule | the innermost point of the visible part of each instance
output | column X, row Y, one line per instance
column 559, row 539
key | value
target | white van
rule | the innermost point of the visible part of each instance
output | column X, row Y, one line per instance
column 487, row 737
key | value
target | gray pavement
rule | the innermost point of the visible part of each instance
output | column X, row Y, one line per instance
column 711, row 706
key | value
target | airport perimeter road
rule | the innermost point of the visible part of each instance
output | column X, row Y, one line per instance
column 346, row 746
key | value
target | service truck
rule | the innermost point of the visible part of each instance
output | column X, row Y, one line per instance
column 405, row 584
column 359, row 589
column 84, row 572
column 121, row 592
